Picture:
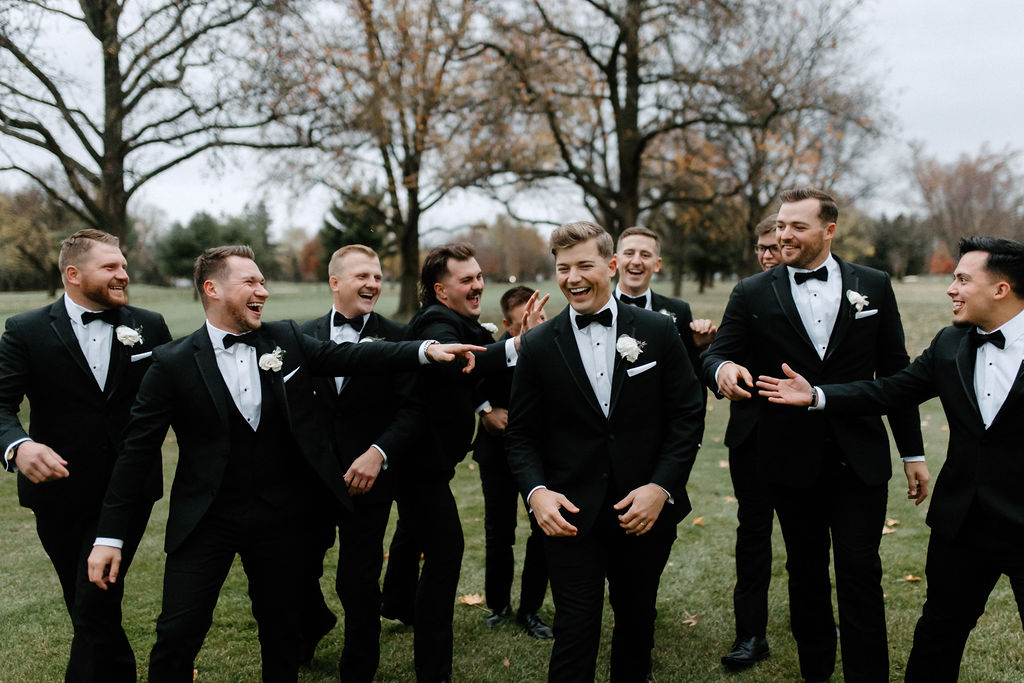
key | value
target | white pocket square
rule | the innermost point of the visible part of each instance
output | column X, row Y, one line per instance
column 865, row 314
column 633, row 372
column 140, row 356
column 289, row 375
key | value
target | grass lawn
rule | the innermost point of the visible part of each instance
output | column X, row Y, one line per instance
column 695, row 625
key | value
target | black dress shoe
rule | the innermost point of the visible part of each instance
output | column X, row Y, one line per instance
column 535, row 626
column 499, row 617
column 746, row 651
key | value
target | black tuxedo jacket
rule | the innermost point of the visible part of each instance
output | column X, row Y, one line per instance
column 446, row 393
column 184, row 389
column 762, row 329
column 496, row 389
column 983, row 466
column 371, row 409
column 682, row 317
column 41, row 359
column 559, row 437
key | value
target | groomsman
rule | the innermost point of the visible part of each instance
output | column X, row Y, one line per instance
column 255, row 460
column 828, row 478
column 638, row 254
column 373, row 427
column 977, row 511
column 501, row 496
column 451, row 286
column 754, row 509
column 604, row 426
column 79, row 361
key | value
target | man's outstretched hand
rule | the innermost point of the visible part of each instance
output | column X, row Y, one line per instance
column 793, row 391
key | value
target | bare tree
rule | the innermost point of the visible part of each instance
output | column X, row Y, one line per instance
column 160, row 83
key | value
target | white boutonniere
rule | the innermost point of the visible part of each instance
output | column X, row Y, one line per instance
column 629, row 348
column 857, row 300
column 490, row 327
column 272, row 361
column 128, row 336
column 368, row 339
column 669, row 313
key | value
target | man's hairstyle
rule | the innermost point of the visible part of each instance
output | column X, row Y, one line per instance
column 642, row 232
column 571, row 234
column 829, row 211
column 334, row 267
column 1005, row 259
column 516, row 296
column 74, row 247
column 765, row 226
column 435, row 267
column 212, row 263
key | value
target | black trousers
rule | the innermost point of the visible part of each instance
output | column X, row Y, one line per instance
column 578, row 567
column 961, row 573
column 264, row 538
column 755, row 515
column 360, row 560
column 100, row 650
column 840, row 511
column 429, row 523
column 501, row 511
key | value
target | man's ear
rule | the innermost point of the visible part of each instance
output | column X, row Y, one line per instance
column 1003, row 290
column 440, row 293
column 210, row 289
column 333, row 282
column 71, row 275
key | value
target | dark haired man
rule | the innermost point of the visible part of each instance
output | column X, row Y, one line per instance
column 373, row 427
column 604, row 425
column 451, row 286
column 833, row 321
column 501, row 495
column 754, row 509
column 977, row 510
column 79, row 361
column 255, row 462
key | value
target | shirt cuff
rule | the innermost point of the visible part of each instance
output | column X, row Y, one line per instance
column 670, row 499
column 485, row 404
column 914, row 458
column 8, row 465
column 718, row 370
column 111, row 542
column 511, row 355
column 423, row 351
column 821, row 399
column 530, row 495
column 382, row 454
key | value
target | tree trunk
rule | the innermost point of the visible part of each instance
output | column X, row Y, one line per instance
column 409, row 251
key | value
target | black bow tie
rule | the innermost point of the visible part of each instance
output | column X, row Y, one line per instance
column 979, row 339
column 246, row 338
column 640, row 301
column 603, row 318
column 819, row 274
column 355, row 323
column 108, row 316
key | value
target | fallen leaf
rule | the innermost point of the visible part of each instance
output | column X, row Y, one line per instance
column 699, row 521
column 730, row 499
column 715, row 439
column 691, row 619
column 723, row 464
column 944, row 428
column 472, row 599
column 892, row 522
column 195, row 674
column 471, row 467
column 507, row 663
column 887, row 530
column 671, row 564
column 910, row 578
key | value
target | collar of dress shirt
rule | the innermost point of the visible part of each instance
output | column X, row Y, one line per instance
column 74, row 310
column 217, row 337
column 830, row 263
column 646, row 293
column 1012, row 329
column 610, row 304
column 364, row 316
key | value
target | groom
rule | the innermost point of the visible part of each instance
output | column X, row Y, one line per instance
column 604, row 424
column 255, row 460
column 977, row 511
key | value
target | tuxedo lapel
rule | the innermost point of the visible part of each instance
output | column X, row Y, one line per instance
column 780, row 283
column 565, row 340
column 966, row 356
column 845, row 315
column 265, row 344
column 202, row 350
column 1013, row 397
column 625, row 324
column 61, row 324
column 120, row 355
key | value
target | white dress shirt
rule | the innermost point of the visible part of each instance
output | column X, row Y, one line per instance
column 996, row 369
column 597, row 351
column 94, row 338
column 818, row 302
column 341, row 334
column 238, row 366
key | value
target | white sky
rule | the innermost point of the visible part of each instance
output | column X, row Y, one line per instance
column 953, row 72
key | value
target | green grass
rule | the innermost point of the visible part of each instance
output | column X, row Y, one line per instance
column 698, row 580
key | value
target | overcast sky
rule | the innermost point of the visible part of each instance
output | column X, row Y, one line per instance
column 953, row 72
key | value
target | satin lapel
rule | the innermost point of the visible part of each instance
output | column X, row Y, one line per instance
column 1015, row 394
column 780, row 283
column 565, row 340
column 202, row 349
column 61, row 325
column 966, row 356
column 120, row 355
column 266, row 344
column 625, row 324
column 323, row 333
column 845, row 315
